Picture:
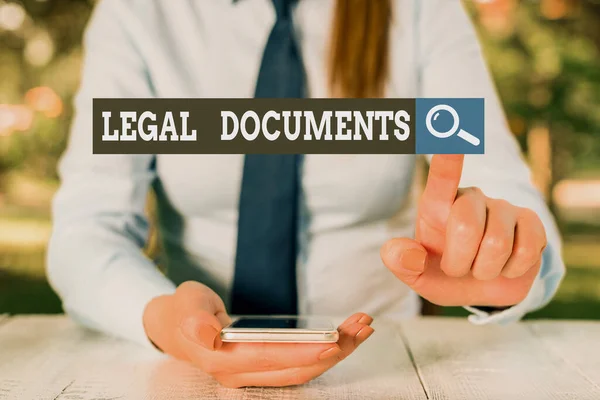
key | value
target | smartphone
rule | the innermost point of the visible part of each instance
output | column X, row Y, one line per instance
column 280, row 329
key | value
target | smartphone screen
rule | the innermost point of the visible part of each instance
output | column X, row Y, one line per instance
column 309, row 323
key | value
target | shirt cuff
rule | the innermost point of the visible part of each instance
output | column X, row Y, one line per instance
column 139, row 303
column 123, row 305
column 512, row 314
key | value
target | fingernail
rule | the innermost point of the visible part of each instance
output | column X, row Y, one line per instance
column 365, row 320
column 334, row 351
column 363, row 335
column 413, row 260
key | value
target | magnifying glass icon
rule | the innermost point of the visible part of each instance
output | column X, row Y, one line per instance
column 461, row 133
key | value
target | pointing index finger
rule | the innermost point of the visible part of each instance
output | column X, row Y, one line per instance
column 440, row 192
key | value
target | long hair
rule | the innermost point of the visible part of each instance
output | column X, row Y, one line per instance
column 359, row 52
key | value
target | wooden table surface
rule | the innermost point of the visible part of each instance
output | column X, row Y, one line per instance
column 51, row 358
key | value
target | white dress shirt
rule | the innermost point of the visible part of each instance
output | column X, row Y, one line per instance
column 351, row 204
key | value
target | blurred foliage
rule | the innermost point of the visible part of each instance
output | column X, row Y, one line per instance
column 545, row 58
column 43, row 51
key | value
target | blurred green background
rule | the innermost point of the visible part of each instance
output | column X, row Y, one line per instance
column 544, row 56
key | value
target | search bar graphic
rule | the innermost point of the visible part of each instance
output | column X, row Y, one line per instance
column 450, row 126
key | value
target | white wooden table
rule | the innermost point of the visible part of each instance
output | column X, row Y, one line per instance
column 50, row 358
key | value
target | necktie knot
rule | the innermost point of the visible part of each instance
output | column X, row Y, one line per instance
column 283, row 8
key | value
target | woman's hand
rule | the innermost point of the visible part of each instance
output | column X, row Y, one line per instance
column 470, row 250
column 187, row 325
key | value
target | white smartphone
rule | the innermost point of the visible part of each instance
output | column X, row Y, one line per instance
column 280, row 329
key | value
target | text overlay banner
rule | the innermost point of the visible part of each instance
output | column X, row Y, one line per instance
column 254, row 126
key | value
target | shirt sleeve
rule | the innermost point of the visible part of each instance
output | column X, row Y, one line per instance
column 95, row 258
column 451, row 64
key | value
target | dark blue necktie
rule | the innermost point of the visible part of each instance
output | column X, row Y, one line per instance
column 265, row 264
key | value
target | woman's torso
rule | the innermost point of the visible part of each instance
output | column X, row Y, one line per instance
column 351, row 203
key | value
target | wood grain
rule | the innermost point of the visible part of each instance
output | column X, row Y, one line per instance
column 42, row 357
column 577, row 343
column 51, row 358
column 458, row 360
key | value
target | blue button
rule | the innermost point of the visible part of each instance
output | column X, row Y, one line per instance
column 450, row 126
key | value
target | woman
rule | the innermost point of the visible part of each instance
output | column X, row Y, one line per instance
column 491, row 246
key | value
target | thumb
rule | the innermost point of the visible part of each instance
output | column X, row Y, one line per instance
column 406, row 258
column 202, row 328
column 203, row 315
